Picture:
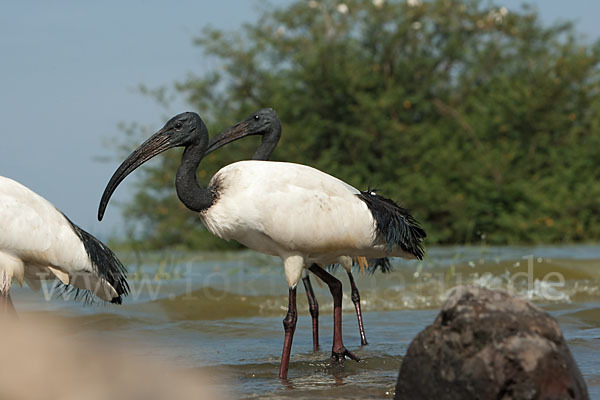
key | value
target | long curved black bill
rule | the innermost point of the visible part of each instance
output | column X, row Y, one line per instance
column 155, row 145
column 232, row 134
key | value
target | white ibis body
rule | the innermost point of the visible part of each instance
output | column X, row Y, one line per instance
column 267, row 124
column 293, row 211
column 39, row 242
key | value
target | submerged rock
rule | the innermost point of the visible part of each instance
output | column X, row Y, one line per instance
column 488, row 344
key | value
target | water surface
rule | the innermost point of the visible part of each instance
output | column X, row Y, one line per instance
column 220, row 314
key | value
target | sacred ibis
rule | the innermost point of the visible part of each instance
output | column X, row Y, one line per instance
column 267, row 124
column 293, row 211
column 37, row 242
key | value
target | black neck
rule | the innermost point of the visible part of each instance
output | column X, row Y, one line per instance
column 268, row 143
column 189, row 191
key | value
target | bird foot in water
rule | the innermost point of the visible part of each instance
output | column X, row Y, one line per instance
column 340, row 356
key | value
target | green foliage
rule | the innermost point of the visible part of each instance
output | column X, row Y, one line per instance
column 482, row 121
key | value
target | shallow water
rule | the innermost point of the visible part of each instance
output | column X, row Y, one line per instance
column 220, row 314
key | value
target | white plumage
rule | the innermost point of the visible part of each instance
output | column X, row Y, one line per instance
column 266, row 123
column 287, row 209
column 293, row 211
column 38, row 242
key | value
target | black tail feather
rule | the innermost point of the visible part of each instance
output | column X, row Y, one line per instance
column 333, row 267
column 70, row 292
column 382, row 264
column 395, row 224
column 105, row 263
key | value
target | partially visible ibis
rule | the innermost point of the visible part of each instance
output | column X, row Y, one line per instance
column 39, row 242
column 267, row 124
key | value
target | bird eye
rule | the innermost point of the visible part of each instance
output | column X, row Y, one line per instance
column 256, row 117
column 178, row 125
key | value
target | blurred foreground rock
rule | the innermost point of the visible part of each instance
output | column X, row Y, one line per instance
column 51, row 360
column 487, row 344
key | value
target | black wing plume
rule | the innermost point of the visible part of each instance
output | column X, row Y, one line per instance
column 395, row 224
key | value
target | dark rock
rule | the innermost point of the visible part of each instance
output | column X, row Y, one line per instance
column 488, row 344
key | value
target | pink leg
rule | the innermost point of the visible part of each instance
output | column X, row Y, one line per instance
column 314, row 311
column 338, row 351
column 289, row 326
column 356, row 300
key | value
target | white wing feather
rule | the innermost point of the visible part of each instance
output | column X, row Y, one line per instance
column 279, row 208
column 35, row 234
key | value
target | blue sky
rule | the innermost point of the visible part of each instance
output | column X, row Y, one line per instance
column 69, row 71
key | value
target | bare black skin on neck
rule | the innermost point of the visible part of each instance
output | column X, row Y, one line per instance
column 190, row 193
column 184, row 130
column 269, row 140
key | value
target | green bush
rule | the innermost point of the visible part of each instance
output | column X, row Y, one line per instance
column 481, row 120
